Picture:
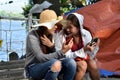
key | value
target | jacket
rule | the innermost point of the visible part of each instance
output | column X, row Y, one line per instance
column 34, row 53
column 59, row 38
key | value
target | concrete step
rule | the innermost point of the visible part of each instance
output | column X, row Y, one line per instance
column 12, row 70
column 14, row 78
column 110, row 79
column 11, row 73
column 11, row 66
column 12, row 62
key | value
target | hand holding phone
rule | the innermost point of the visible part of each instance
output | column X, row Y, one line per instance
column 94, row 40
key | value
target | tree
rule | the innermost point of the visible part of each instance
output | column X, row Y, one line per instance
column 59, row 6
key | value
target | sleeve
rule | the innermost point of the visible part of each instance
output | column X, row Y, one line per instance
column 58, row 40
column 34, row 45
column 86, row 37
column 93, row 54
column 78, row 53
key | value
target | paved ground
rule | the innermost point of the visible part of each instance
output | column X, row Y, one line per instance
column 106, row 79
column 100, row 79
column 87, row 77
column 110, row 79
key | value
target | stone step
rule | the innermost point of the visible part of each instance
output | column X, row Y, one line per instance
column 11, row 73
column 12, row 62
column 14, row 78
column 12, row 70
column 110, row 79
column 11, row 66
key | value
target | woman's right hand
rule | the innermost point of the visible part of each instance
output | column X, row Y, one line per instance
column 46, row 41
column 66, row 47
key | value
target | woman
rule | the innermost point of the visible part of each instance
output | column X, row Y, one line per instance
column 81, row 40
column 81, row 50
column 42, row 62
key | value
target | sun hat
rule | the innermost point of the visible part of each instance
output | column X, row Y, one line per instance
column 48, row 18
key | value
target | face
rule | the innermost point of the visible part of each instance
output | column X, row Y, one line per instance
column 67, row 29
column 72, row 29
column 53, row 29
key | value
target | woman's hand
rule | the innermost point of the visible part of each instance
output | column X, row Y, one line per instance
column 66, row 47
column 46, row 41
column 91, row 48
column 98, row 42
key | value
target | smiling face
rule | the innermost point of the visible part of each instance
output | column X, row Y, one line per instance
column 72, row 29
column 73, row 24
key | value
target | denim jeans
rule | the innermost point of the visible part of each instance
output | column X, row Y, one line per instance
column 68, row 69
column 43, row 70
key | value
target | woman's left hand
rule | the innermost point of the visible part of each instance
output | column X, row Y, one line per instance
column 94, row 44
column 91, row 47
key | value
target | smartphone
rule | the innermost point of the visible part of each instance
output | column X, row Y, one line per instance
column 93, row 41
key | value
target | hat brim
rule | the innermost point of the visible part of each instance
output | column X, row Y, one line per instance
column 49, row 25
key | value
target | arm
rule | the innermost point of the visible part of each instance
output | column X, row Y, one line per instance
column 33, row 45
column 83, row 52
column 86, row 37
column 34, row 49
column 75, row 54
column 95, row 47
column 93, row 54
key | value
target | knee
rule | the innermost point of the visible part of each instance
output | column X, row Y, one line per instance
column 82, row 66
column 56, row 67
column 92, row 65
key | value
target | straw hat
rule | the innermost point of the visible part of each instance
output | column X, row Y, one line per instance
column 48, row 18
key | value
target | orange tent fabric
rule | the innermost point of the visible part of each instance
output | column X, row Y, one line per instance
column 102, row 19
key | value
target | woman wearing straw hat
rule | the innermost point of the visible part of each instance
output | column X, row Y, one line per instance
column 47, row 65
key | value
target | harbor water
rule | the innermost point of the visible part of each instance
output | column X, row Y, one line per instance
column 13, row 34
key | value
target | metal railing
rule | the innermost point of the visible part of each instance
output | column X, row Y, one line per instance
column 13, row 33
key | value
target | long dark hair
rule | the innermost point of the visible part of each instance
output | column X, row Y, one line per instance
column 43, row 30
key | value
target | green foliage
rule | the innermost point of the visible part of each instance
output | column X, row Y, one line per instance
column 67, row 5
column 3, row 13
column 10, row 14
column 26, row 9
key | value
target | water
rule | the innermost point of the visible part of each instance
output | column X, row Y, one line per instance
column 13, row 35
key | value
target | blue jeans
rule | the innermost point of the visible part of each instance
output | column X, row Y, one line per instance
column 43, row 70
column 68, row 69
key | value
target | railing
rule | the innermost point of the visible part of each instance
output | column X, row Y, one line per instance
column 13, row 33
